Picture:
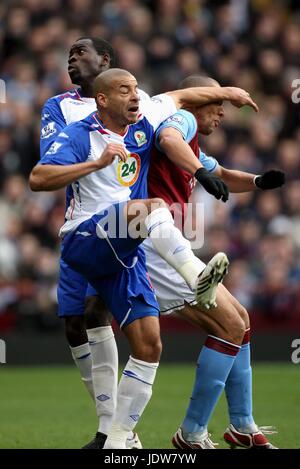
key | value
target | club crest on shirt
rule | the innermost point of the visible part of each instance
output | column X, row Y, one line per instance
column 129, row 171
column 140, row 138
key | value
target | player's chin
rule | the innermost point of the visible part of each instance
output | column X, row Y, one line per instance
column 207, row 130
column 132, row 117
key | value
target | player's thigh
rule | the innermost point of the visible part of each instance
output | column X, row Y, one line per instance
column 101, row 245
column 71, row 291
column 222, row 321
column 128, row 294
column 96, row 313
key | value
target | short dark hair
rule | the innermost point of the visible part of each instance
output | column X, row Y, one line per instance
column 102, row 47
column 197, row 80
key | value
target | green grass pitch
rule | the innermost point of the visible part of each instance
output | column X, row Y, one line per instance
column 49, row 407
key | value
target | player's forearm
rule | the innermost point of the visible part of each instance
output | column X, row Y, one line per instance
column 53, row 177
column 179, row 152
column 198, row 96
column 237, row 181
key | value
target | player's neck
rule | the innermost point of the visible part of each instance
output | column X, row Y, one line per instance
column 109, row 123
column 86, row 90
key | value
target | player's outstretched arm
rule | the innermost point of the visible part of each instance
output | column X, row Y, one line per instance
column 240, row 181
column 199, row 96
column 48, row 177
column 181, row 154
column 51, row 177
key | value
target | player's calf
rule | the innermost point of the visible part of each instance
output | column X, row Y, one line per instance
column 135, row 387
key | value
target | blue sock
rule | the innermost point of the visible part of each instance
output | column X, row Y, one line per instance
column 213, row 366
column 238, row 389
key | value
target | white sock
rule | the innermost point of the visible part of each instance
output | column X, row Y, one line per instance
column 134, row 393
column 83, row 360
column 104, row 354
column 172, row 246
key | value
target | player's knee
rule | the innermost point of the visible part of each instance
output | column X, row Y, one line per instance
column 75, row 330
column 237, row 330
column 96, row 314
column 156, row 203
column 244, row 316
column 150, row 350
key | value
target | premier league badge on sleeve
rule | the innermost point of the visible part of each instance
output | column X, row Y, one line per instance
column 48, row 130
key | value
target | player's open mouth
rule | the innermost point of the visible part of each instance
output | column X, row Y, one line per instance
column 72, row 70
column 134, row 109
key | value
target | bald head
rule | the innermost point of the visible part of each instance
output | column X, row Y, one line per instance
column 105, row 81
column 208, row 116
column 117, row 99
column 197, row 80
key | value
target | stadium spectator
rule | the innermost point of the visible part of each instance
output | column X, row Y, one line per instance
column 255, row 46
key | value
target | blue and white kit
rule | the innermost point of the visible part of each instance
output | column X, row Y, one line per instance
column 86, row 246
column 58, row 112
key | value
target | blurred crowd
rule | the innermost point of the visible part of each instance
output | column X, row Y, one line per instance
column 253, row 44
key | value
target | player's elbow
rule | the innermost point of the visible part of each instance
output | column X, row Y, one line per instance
column 167, row 140
column 36, row 181
column 176, row 95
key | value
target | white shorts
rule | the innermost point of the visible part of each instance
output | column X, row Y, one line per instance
column 170, row 288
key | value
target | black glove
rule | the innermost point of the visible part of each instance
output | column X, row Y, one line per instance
column 270, row 180
column 212, row 184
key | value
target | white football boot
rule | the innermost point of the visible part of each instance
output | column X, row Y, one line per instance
column 209, row 279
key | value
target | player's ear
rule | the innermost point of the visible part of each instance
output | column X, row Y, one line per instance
column 105, row 60
column 101, row 100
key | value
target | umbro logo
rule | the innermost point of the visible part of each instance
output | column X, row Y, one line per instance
column 103, row 397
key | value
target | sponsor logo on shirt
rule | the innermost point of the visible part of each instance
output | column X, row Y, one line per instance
column 48, row 130
column 77, row 102
column 175, row 118
column 129, row 171
column 140, row 138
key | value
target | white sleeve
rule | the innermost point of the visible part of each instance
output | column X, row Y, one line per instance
column 143, row 95
column 157, row 109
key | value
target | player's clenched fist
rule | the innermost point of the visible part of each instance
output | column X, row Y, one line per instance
column 112, row 151
column 239, row 97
